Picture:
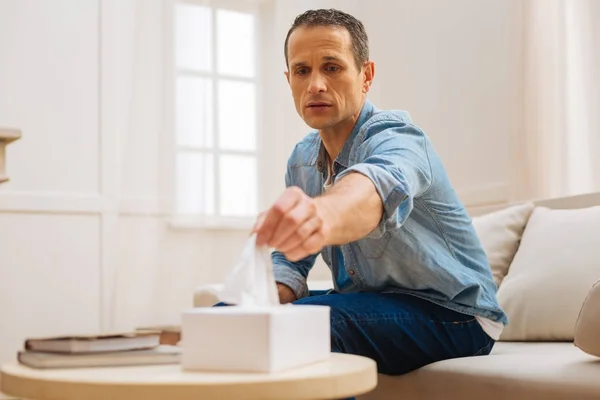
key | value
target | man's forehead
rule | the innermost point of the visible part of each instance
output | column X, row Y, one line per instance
column 323, row 43
column 320, row 36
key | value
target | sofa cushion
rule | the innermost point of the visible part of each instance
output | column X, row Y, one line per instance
column 500, row 233
column 587, row 328
column 557, row 263
column 549, row 371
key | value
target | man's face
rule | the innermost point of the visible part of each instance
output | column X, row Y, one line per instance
column 327, row 86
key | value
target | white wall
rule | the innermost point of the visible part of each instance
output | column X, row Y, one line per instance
column 455, row 67
column 49, row 261
column 84, row 226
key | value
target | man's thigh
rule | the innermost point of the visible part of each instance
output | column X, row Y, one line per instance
column 400, row 332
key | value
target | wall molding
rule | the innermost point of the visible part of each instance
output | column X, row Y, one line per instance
column 75, row 203
column 144, row 206
column 51, row 203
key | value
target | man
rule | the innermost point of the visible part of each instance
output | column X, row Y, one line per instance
column 368, row 192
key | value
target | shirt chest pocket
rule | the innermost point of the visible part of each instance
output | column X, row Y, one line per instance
column 375, row 248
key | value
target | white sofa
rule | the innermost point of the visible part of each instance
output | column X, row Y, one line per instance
column 545, row 258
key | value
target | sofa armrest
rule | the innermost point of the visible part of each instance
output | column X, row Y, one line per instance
column 207, row 295
column 587, row 327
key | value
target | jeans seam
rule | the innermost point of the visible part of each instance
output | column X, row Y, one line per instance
column 484, row 348
column 403, row 319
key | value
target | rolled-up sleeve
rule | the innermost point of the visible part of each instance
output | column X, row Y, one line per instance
column 396, row 160
column 292, row 274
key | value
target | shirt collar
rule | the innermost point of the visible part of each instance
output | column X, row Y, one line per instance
column 344, row 156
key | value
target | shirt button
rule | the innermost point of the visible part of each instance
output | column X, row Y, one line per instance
column 351, row 272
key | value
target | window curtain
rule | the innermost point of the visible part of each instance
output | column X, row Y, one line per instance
column 141, row 280
column 561, row 137
column 154, row 268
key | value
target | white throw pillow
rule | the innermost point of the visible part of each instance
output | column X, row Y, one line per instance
column 557, row 263
column 500, row 234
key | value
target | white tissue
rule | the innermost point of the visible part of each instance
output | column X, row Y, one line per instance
column 251, row 283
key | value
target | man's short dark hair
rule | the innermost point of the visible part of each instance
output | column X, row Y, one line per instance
column 333, row 17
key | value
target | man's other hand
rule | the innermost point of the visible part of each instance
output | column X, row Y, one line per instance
column 286, row 295
column 295, row 225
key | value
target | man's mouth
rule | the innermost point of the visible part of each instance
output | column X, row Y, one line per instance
column 318, row 105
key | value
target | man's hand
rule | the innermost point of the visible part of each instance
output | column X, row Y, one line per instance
column 299, row 226
column 295, row 225
column 286, row 295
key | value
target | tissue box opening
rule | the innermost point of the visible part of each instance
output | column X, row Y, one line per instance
column 265, row 339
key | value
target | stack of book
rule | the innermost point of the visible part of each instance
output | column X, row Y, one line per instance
column 142, row 347
column 169, row 334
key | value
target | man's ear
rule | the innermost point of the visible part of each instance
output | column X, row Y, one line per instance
column 287, row 75
column 369, row 75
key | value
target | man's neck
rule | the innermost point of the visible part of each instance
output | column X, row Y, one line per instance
column 335, row 137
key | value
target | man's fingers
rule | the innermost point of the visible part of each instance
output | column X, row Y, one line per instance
column 312, row 245
column 259, row 221
column 273, row 217
column 301, row 234
column 291, row 222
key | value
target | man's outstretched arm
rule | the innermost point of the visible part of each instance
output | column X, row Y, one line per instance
column 393, row 168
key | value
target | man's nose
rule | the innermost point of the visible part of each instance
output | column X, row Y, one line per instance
column 316, row 84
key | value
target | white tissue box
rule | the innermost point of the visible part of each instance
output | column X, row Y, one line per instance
column 265, row 339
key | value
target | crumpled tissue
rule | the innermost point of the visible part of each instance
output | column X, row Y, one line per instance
column 251, row 283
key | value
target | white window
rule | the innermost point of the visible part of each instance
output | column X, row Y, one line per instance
column 215, row 115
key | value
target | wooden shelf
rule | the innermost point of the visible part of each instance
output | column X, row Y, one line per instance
column 7, row 136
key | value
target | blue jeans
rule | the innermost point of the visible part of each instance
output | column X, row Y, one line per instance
column 399, row 332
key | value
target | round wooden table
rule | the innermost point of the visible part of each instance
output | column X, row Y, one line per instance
column 341, row 376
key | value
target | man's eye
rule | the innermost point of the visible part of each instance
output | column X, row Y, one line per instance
column 301, row 71
column 332, row 68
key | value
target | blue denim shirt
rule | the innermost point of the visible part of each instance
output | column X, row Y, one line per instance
column 425, row 244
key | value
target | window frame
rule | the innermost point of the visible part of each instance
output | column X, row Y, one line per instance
column 172, row 72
